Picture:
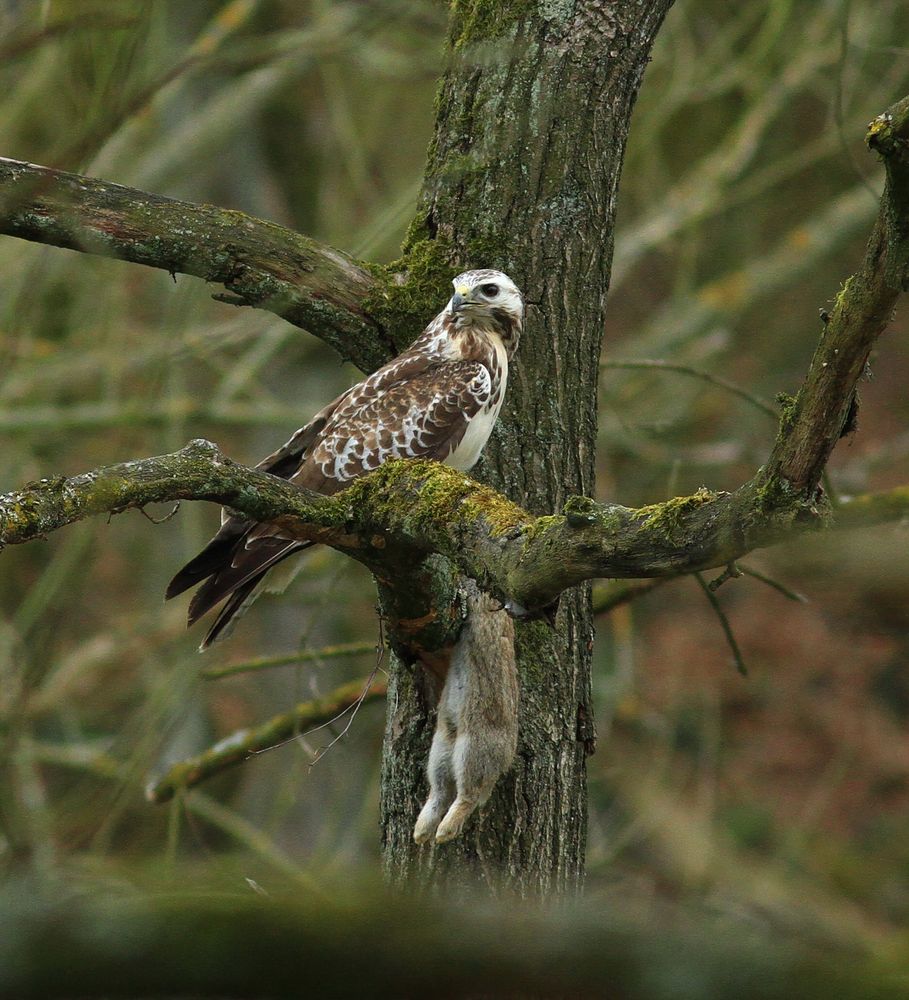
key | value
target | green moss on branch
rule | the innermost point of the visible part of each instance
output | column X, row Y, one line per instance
column 812, row 424
column 397, row 517
column 409, row 291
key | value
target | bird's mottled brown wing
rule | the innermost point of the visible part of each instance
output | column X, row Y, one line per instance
column 287, row 459
column 425, row 416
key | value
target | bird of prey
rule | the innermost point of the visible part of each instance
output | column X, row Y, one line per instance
column 439, row 400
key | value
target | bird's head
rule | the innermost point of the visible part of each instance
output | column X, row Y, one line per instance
column 488, row 299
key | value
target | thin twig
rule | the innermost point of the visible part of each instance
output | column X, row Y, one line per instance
column 731, row 572
column 793, row 595
column 717, row 380
column 353, row 708
column 160, row 520
column 286, row 659
column 724, row 622
column 617, row 593
column 320, row 753
column 241, row 745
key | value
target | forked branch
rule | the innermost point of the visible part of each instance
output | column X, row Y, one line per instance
column 395, row 517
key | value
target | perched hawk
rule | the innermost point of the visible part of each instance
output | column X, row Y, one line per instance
column 438, row 400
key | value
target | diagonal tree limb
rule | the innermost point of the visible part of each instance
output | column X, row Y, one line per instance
column 819, row 414
column 241, row 745
column 260, row 263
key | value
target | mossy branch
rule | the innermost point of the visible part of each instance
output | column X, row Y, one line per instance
column 820, row 413
column 394, row 518
column 241, row 745
column 365, row 311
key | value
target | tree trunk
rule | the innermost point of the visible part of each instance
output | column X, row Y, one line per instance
column 522, row 175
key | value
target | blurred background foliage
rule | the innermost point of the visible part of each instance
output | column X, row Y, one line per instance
column 780, row 800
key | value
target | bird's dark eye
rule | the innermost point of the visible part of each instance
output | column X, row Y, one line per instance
column 490, row 290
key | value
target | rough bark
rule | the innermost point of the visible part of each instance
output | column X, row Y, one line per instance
column 522, row 175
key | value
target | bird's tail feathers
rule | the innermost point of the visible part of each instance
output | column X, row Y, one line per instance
column 216, row 554
column 242, row 594
column 232, row 611
column 247, row 565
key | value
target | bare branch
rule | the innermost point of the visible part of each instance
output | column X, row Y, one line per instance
column 341, row 651
column 616, row 593
column 260, row 263
column 241, row 745
column 724, row 383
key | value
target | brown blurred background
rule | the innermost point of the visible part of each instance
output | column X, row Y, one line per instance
column 778, row 799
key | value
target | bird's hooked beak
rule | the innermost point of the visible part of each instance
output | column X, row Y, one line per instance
column 460, row 298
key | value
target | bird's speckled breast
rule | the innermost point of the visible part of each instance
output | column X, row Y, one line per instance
column 471, row 445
